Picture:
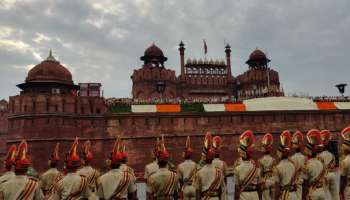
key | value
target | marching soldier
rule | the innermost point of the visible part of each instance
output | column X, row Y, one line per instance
column 299, row 159
column 124, row 161
column 345, row 165
column 72, row 185
column 285, row 171
column 164, row 182
column 217, row 162
column 87, row 171
column 247, row 173
column 314, row 169
column 208, row 142
column 116, row 184
column 21, row 187
column 151, row 168
column 9, row 163
column 52, row 175
column 186, row 171
column 209, row 181
column 328, row 158
column 267, row 163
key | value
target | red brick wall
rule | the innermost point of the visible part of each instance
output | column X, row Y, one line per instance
column 140, row 130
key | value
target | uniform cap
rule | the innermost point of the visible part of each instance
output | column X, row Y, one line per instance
column 297, row 138
column 267, row 141
column 188, row 148
column 72, row 158
column 217, row 141
column 325, row 136
column 163, row 153
column 11, row 156
column 55, row 154
column 123, row 150
column 285, row 142
column 313, row 140
column 346, row 136
column 22, row 161
column 116, row 154
column 88, row 156
column 246, row 141
column 210, row 154
column 208, row 142
column 156, row 148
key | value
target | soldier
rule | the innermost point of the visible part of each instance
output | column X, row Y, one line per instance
column 151, row 168
column 87, row 171
column 208, row 143
column 186, row 171
column 285, row 172
column 116, row 184
column 209, row 181
column 21, row 187
column 52, row 175
column 9, row 163
column 345, row 165
column 124, row 160
column 247, row 173
column 299, row 159
column 72, row 185
column 217, row 162
column 314, row 170
column 328, row 158
column 267, row 163
column 164, row 182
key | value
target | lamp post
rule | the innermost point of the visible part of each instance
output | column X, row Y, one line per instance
column 341, row 88
column 160, row 89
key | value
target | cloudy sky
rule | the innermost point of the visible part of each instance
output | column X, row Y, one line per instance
column 102, row 40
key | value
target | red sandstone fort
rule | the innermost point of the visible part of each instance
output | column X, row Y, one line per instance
column 206, row 96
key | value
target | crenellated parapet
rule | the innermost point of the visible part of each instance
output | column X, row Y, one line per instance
column 56, row 103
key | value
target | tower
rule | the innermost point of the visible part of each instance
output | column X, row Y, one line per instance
column 228, row 60
column 182, row 57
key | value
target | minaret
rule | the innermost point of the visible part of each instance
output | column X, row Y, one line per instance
column 182, row 57
column 228, row 60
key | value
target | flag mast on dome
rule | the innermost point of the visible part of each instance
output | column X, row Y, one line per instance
column 205, row 49
column 50, row 57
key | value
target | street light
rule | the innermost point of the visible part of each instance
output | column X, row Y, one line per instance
column 341, row 88
column 160, row 89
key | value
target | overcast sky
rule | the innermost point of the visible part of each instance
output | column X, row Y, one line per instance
column 308, row 41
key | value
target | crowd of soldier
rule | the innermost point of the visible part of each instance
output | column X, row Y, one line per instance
column 302, row 169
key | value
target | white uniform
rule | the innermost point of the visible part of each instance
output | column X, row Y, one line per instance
column 266, row 163
column 21, row 187
column 6, row 176
column 331, row 187
column 71, row 186
column 91, row 175
column 186, row 172
column 299, row 160
column 314, row 173
column 247, row 171
column 284, row 174
column 116, row 183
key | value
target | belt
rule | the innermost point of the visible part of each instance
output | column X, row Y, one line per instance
column 188, row 182
column 317, row 184
column 210, row 194
column 290, row 188
column 267, row 174
column 250, row 190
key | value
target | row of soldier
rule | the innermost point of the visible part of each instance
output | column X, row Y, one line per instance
column 298, row 172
